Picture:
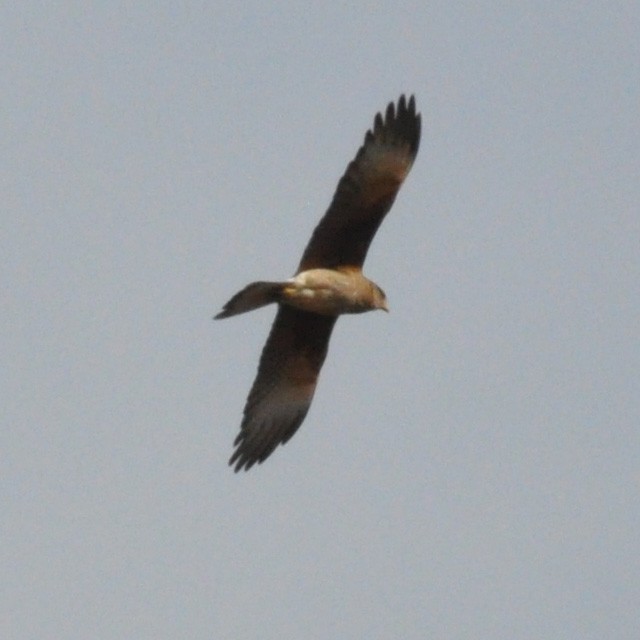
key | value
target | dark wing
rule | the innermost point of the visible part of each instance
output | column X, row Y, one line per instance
column 283, row 389
column 367, row 190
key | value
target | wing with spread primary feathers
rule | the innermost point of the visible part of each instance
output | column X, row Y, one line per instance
column 367, row 190
column 283, row 389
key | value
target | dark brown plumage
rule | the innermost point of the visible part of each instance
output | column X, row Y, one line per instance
column 328, row 282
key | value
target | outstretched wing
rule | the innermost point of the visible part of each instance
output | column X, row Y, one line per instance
column 367, row 190
column 283, row 389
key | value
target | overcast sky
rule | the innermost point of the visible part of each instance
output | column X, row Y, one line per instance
column 470, row 466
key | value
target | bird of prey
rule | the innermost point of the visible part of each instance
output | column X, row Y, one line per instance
column 328, row 282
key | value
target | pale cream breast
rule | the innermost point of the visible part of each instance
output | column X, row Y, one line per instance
column 330, row 292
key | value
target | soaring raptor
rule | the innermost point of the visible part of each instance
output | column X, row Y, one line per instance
column 328, row 282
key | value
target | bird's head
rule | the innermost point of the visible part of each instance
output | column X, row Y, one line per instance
column 379, row 298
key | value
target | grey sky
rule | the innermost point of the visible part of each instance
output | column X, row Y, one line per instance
column 470, row 466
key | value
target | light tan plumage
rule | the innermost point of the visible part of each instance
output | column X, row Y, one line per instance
column 328, row 283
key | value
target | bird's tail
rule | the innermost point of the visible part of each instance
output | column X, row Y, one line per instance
column 253, row 296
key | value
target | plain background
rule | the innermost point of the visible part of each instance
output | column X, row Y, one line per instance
column 470, row 467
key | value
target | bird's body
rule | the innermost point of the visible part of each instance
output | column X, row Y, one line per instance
column 329, row 282
column 333, row 292
column 330, row 292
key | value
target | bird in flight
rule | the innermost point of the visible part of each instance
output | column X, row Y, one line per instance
column 328, row 282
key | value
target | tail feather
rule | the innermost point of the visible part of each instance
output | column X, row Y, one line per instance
column 253, row 296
